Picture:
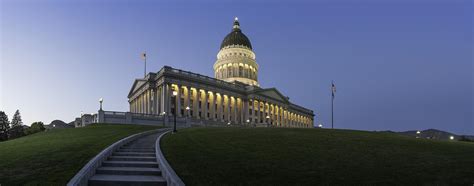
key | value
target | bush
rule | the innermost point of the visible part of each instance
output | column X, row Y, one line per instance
column 35, row 127
column 16, row 132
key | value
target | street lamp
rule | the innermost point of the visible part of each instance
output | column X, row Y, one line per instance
column 418, row 134
column 320, row 126
column 175, row 111
column 451, row 137
column 268, row 120
column 187, row 110
column 100, row 101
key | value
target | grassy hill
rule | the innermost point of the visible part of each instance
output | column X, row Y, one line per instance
column 279, row 156
column 54, row 157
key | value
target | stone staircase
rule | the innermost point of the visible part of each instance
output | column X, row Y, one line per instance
column 132, row 164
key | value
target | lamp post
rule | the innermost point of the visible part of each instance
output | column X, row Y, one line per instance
column 248, row 122
column 187, row 114
column 268, row 120
column 175, row 111
column 320, row 126
column 100, row 101
column 418, row 134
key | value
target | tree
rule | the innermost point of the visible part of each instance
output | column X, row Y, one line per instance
column 4, row 126
column 35, row 127
column 16, row 120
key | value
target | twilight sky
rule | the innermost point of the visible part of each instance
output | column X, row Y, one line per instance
column 398, row 64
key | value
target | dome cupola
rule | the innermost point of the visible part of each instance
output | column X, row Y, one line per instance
column 236, row 37
column 236, row 60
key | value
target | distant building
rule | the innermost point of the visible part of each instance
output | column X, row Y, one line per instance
column 233, row 96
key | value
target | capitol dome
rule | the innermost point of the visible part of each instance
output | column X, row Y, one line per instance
column 235, row 59
column 236, row 37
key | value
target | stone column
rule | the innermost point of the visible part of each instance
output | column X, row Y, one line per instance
column 204, row 105
column 145, row 100
column 163, row 98
column 212, row 106
column 227, row 109
column 178, row 101
column 264, row 113
column 168, row 99
column 258, row 112
column 219, row 106
column 186, row 101
column 232, row 109
column 252, row 112
column 157, row 101
column 245, row 111
column 195, row 103
column 243, row 119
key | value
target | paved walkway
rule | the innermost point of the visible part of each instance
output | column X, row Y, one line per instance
column 132, row 164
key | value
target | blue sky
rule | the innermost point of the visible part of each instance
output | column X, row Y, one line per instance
column 398, row 65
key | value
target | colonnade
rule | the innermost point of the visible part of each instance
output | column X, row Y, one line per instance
column 200, row 103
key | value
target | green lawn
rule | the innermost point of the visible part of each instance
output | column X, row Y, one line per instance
column 54, row 157
column 279, row 156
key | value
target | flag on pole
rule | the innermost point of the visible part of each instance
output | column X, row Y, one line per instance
column 143, row 56
column 333, row 89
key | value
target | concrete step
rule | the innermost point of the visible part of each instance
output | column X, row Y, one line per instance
column 150, row 154
column 135, row 150
column 130, row 164
column 131, row 158
column 106, row 180
column 128, row 171
column 147, row 147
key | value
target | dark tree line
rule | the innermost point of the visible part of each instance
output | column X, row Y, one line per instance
column 15, row 128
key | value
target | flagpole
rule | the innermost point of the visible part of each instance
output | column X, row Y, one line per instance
column 145, row 64
column 332, row 105
column 332, row 112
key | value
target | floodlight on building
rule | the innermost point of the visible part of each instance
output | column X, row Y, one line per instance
column 175, row 93
column 187, row 108
column 248, row 121
column 100, row 101
column 268, row 117
column 228, row 123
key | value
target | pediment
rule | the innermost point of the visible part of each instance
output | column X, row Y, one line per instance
column 272, row 93
column 136, row 85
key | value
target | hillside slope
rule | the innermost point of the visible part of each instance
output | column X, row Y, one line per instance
column 279, row 156
column 54, row 157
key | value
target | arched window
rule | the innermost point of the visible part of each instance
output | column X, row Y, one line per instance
column 229, row 72
column 241, row 71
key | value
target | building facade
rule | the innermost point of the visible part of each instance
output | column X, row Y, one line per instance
column 233, row 96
